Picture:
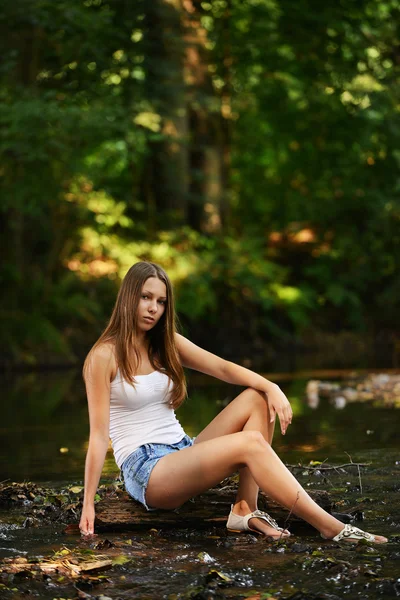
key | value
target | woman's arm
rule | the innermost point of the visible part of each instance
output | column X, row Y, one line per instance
column 196, row 358
column 98, row 394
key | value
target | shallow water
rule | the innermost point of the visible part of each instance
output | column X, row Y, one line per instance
column 45, row 413
column 44, row 426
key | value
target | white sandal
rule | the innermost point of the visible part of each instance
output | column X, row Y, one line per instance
column 350, row 533
column 238, row 524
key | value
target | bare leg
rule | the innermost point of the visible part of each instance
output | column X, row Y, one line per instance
column 181, row 475
column 247, row 412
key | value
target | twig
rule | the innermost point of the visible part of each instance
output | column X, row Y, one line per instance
column 288, row 516
column 359, row 478
column 225, row 487
column 333, row 468
column 351, row 460
column 359, row 474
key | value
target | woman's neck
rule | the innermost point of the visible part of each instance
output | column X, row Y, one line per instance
column 142, row 343
column 140, row 337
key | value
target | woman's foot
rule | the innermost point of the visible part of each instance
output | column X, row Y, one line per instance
column 352, row 534
column 261, row 523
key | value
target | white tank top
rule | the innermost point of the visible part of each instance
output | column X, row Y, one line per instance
column 141, row 414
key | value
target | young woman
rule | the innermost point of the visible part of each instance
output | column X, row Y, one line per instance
column 134, row 380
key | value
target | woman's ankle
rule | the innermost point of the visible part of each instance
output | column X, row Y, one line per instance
column 332, row 530
column 242, row 507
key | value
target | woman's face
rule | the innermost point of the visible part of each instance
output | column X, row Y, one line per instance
column 152, row 303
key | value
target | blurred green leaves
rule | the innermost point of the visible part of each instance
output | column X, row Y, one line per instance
column 250, row 147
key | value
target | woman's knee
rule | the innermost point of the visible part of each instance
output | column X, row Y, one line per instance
column 254, row 442
column 257, row 399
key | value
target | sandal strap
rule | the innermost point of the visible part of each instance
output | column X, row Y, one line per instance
column 260, row 514
column 350, row 532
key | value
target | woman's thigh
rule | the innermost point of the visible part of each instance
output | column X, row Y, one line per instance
column 249, row 404
column 181, row 475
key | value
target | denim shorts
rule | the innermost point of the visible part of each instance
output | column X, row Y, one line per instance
column 137, row 468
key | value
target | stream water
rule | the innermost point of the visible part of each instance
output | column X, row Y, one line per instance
column 44, row 434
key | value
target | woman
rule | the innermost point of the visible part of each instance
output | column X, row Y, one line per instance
column 134, row 380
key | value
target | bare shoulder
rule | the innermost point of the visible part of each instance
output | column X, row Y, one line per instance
column 104, row 351
column 102, row 360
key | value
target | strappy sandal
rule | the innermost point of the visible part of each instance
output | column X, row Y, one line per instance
column 238, row 524
column 350, row 533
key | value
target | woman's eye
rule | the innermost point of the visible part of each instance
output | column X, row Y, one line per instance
column 162, row 302
column 144, row 296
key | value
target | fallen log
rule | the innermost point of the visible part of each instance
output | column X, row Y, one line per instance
column 115, row 510
column 210, row 508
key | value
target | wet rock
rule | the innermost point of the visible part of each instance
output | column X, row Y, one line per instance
column 358, row 515
column 81, row 595
column 103, row 545
column 339, row 402
column 31, row 522
column 381, row 388
column 204, row 557
column 310, row 596
column 390, row 588
column 299, row 547
column 343, row 517
column 208, row 594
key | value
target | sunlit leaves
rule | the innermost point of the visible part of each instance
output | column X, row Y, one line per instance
column 148, row 120
column 301, row 101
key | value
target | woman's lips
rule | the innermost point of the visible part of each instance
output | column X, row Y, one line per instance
column 149, row 319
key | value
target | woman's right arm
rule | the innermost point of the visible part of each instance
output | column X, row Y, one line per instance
column 98, row 379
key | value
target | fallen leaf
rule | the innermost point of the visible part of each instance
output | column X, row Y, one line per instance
column 214, row 574
column 120, row 560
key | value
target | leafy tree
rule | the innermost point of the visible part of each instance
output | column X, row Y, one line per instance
column 251, row 147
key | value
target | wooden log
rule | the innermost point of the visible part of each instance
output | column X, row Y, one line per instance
column 117, row 511
column 210, row 508
column 59, row 566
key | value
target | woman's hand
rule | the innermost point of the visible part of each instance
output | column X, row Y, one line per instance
column 86, row 524
column 279, row 405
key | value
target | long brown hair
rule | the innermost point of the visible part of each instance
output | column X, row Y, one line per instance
column 122, row 328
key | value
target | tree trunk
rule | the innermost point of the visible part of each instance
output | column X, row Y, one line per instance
column 165, row 90
column 205, row 185
column 227, row 114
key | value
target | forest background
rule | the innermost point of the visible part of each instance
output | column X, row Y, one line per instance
column 250, row 147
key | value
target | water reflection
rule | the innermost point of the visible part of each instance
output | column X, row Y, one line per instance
column 44, row 428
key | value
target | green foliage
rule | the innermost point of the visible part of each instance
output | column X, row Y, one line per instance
column 250, row 147
column 232, row 278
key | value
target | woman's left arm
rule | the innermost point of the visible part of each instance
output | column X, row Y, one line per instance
column 196, row 358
